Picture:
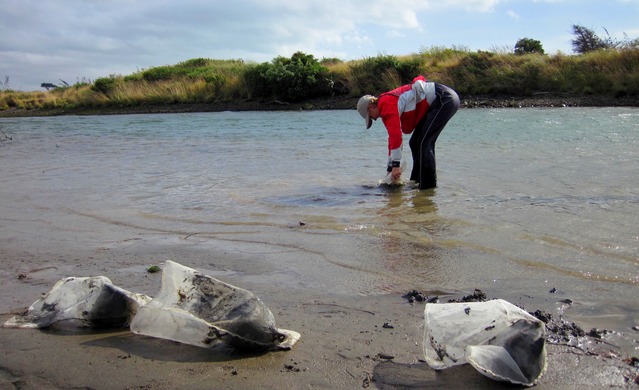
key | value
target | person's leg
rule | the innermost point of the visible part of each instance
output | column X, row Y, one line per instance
column 422, row 142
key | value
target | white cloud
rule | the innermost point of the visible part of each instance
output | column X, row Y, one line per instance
column 45, row 40
column 472, row 5
column 395, row 34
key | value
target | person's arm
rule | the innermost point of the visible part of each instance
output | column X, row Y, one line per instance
column 390, row 117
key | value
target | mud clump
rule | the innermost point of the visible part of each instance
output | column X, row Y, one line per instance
column 418, row 296
column 558, row 329
column 476, row 296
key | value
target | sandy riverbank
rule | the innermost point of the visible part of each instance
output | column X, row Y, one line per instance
column 344, row 343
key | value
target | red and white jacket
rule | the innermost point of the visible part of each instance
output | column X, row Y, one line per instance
column 401, row 110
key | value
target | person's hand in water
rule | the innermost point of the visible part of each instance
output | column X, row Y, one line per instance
column 396, row 173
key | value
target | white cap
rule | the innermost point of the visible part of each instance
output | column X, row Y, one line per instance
column 362, row 108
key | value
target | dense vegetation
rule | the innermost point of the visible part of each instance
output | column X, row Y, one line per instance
column 600, row 67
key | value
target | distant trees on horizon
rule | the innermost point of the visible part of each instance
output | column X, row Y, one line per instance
column 585, row 41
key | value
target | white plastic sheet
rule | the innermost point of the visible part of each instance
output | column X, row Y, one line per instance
column 496, row 337
column 81, row 301
column 199, row 310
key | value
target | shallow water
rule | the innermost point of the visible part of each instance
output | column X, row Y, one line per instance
column 529, row 200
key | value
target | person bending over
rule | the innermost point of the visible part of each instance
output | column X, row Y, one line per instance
column 422, row 109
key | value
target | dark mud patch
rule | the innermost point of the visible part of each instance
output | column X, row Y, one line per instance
column 418, row 296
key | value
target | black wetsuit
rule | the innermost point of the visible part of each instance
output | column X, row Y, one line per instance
column 422, row 141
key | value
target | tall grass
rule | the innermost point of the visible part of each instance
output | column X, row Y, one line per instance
column 612, row 73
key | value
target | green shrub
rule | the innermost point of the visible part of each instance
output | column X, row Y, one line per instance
column 408, row 68
column 527, row 46
column 163, row 73
column 194, row 63
column 289, row 79
column 104, row 85
column 375, row 74
column 330, row 61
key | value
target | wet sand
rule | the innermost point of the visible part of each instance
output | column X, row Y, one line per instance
column 344, row 343
column 336, row 287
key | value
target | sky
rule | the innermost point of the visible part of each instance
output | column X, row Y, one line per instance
column 47, row 41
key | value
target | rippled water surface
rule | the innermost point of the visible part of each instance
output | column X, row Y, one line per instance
column 528, row 199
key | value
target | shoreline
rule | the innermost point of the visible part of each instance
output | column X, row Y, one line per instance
column 542, row 100
column 348, row 341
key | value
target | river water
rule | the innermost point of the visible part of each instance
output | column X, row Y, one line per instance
column 529, row 200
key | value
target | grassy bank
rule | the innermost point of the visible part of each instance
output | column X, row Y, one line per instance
column 302, row 81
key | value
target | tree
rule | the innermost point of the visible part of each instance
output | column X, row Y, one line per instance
column 48, row 86
column 586, row 40
column 528, row 46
